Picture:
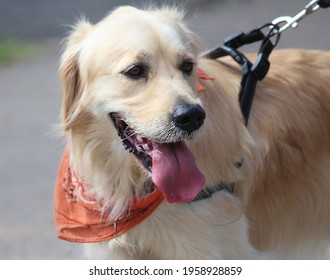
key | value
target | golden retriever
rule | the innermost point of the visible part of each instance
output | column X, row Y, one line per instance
column 130, row 83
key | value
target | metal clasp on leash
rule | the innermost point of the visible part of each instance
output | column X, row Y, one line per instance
column 287, row 21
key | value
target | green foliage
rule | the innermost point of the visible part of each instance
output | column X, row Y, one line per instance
column 13, row 49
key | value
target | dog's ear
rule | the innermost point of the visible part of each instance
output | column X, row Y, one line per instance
column 72, row 84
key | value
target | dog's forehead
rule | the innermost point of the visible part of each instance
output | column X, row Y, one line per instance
column 128, row 37
column 141, row 29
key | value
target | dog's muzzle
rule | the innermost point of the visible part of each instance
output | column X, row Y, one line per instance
column 188, row 117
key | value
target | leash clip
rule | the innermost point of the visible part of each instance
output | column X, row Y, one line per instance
column 288, row 21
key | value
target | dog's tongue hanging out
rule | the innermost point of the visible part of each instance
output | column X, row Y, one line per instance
column 175, row 173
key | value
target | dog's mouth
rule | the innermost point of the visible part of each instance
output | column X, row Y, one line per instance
column 140, row 147
column 171, row 165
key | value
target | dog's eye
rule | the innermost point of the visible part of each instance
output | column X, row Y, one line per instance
column 136, row 72
column 187, row 67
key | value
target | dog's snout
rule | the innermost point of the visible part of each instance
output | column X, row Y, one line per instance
column 188, row 117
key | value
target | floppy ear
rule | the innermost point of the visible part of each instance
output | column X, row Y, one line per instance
column 72, row 84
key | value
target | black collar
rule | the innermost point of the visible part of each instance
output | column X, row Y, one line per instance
column 207, row 192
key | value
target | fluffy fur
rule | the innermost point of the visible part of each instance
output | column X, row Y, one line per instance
column 282, row 195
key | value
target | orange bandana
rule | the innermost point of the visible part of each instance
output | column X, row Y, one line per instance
column 78, row 217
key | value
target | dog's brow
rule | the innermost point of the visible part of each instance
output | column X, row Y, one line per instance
column 142, row 56
column 186, row 57
column 183, row 54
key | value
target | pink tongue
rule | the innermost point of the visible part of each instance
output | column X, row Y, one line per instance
column 175, row 173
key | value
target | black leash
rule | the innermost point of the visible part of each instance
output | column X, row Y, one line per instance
column 254, row 72
column 324, row 3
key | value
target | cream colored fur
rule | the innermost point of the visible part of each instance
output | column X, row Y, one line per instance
column 282, row 189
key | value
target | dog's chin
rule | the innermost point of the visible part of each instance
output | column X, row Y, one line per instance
column 170, row 163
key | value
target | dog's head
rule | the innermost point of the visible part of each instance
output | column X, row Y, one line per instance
column 137, row 70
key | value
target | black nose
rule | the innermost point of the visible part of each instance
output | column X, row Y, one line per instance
column 188, row 117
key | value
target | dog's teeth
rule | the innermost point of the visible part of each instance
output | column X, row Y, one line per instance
column 146, row 147
column 139, row 138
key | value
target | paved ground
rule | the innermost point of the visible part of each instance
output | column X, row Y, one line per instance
column 30, row 99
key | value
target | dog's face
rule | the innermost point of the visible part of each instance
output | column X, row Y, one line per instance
column 138, row 70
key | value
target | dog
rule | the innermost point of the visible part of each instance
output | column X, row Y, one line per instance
column 154, row 133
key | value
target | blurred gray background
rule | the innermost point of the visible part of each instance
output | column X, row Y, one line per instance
column 30, row 148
